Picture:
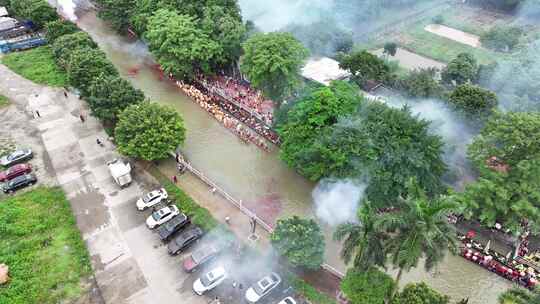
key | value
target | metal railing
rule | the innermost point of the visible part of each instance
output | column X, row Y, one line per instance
column 217, row 189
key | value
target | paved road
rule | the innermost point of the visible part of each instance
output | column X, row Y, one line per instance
column 131, row 265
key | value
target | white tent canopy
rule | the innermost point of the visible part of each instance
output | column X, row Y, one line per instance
column 323, row 70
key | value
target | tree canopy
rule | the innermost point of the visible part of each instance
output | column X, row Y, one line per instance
column 362, row 240
column 312, row 116
column 419, row 293
column 300, row 241
column 462, row 69
column 421, row 83
column 507, row 157
column 85, row 65
column 390, row 48
column 473, row 100
column 272, row 62
column 117, row 12
column 38, row 11
column 109, row 95
column 333, row 132
column 58, row 28
column 367, row 287
column 64, row 45
column 365, row 66
column 520, row 296
column 179, row 44
column 501, row 38
column 149, row 131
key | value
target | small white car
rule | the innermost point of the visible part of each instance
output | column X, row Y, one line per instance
column 151, row 199
column 162, row 216
column 287, row 300
column 209, row 280
column 262, row 287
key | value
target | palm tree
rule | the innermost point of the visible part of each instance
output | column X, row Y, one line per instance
column 418, row 229
column 361, row 240
column 520, row 296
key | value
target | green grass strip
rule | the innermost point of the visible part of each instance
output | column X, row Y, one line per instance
column 200, row 216
column 43, row 248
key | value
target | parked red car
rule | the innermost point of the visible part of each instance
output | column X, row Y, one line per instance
column 16, row 170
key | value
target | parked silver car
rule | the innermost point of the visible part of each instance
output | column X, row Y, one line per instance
column 16, row 157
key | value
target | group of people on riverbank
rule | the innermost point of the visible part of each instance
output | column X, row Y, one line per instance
column 251, row 121
column 211, row 106
column 239, row 92
column 504, row 266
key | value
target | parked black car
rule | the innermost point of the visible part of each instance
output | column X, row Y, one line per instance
column 172, row 226
column 16, row 157
column 19, row 182
column 184, row 239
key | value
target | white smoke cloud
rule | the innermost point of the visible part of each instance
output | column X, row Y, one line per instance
column 337, row 201
column 66, row 8
column 276, row 14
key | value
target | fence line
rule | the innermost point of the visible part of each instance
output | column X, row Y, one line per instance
column 216, row 188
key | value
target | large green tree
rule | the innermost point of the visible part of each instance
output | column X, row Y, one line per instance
column 501, row 38
column 64, row 45
column 390, row 146
column 272, row 63
column 300, row 241
column 85, row 65
column 462, row 69
column 180, row 45
column 312, row 116
column 37, row 11
column 507, row 157
column 473, row 100
column 419, row 293
column 371, row 286
column 365, row 66
column 117, row 12
column 149, row 131
column 418, row 230
column 227, row 30
column 109, row 95
column 58, row 28
column 362, row 240
column 421, row 83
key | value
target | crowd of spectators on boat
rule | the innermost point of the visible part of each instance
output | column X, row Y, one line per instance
column 505, row 266
column 212, row 106
column 241, row 93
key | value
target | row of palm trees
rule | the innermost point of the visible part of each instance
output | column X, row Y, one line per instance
column 417, row 229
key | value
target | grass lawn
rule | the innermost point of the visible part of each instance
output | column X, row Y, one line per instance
column 4, row 101
column 442, row 49
column 43, row 248
column 37, row 65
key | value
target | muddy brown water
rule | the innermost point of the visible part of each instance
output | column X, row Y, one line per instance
column 454, row 34
column 259, row 178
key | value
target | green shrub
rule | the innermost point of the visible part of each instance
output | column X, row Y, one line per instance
column 501, row 38
column 367, row 287
column 309, row 292
column 43, row 248
column 4, row 101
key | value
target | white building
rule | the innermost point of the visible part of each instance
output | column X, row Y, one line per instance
column 323, row 70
